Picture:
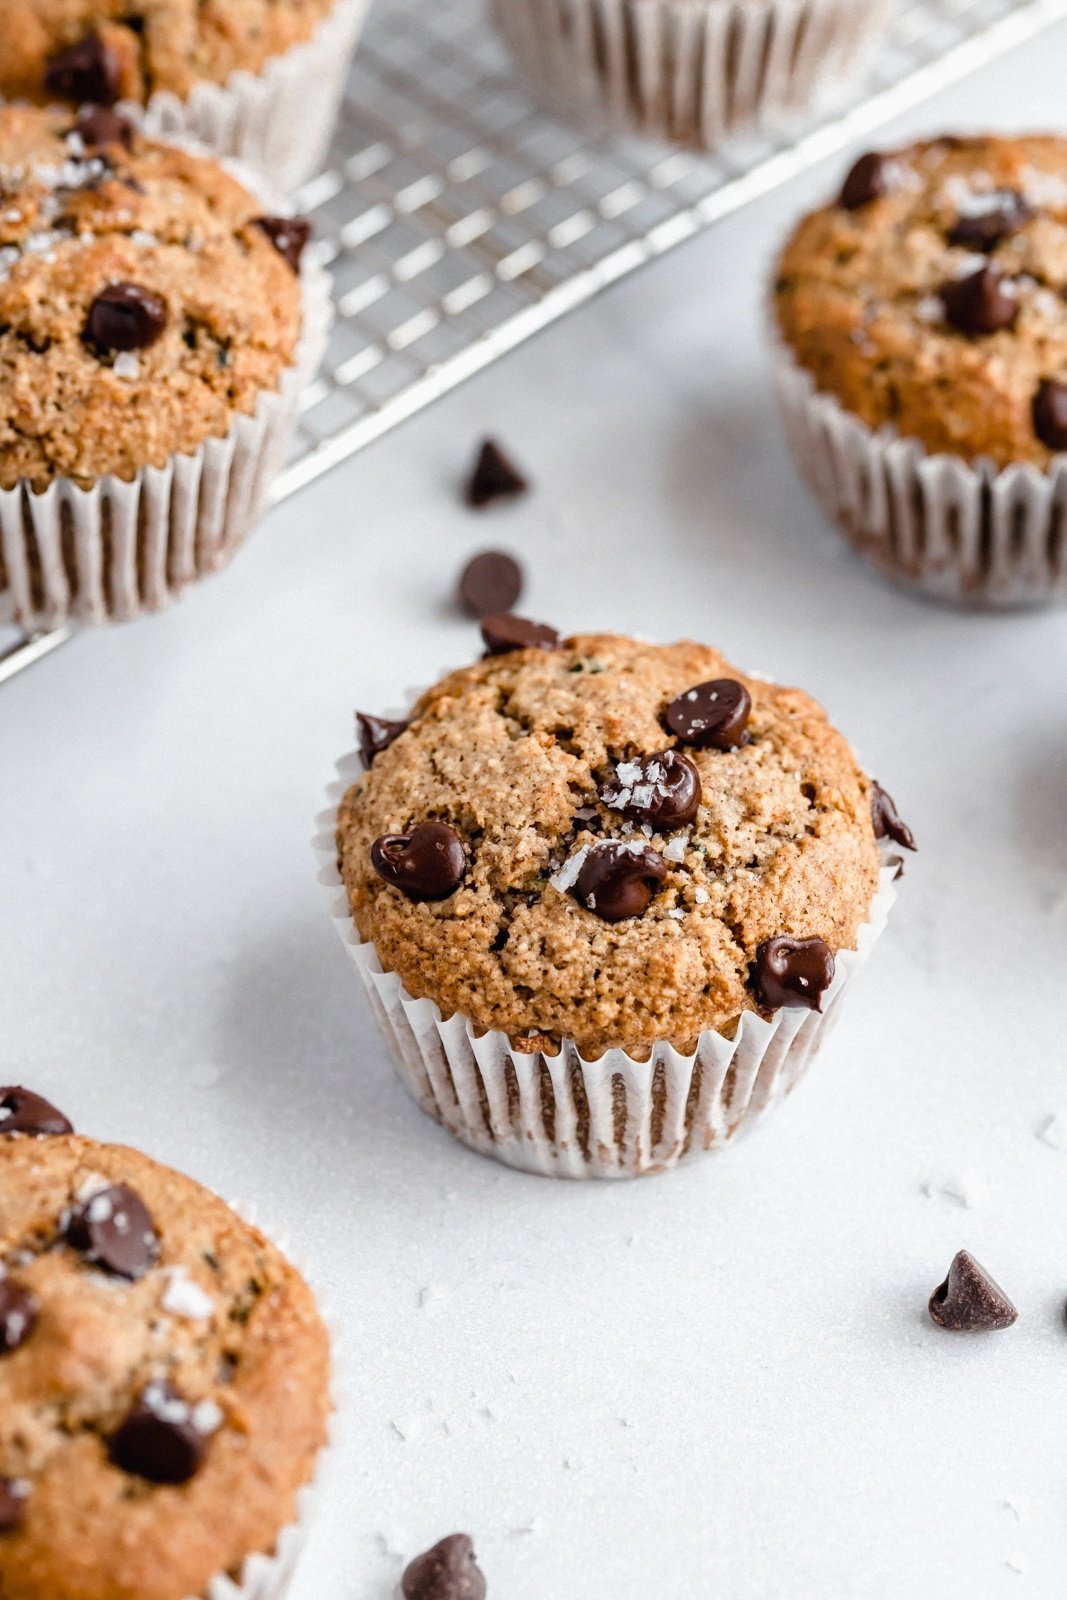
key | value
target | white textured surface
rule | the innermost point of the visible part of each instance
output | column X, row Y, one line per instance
column 718, row 1382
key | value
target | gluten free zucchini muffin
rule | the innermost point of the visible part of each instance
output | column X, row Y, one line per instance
column 164, row 1378
column 147, row 307
column 607, row 893
column 923, row 323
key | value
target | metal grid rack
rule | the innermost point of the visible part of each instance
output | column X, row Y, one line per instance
column 458, row 220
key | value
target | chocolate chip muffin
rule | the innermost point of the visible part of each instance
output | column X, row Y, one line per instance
column 925, row 307
column 594, row 846
column 164, row 1376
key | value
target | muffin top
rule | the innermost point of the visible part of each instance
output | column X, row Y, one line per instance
column 930, row 296
column 626, row 827
column 108, row 50
column 164, row 1375
column 144, row 298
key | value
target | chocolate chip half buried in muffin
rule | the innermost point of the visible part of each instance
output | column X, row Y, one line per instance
column 999, row 216
column 376, row 734
column 13, row 1497
column 867, row 179
column 164, row 1438
column 21, row 1111
column 711, row 715
column 503, row 632
column 663, row 789
column 288, row 235
column 979, row 303
column 494, row 477
column 18, row 1315
column 489, row 584
column 428, row 863
column 98, row 126
column 969, row 1301
column 792, row 972
column 618, row 879
column 888, row 823
column 447, row 1572
column 1049, row 412
column 114, row 1230
column 125, row 317
column 85, row 73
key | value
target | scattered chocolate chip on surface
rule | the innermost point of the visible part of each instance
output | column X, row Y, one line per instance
column 114, row 1231
column 983, row 227
column 13, row 1497
column 288, row 235
column 1049, row 413
column 793, row 972
column 125, row 317
column 86, row 73
column 489, row 584
column 503, row 632
column 617, row 879
column 866, row 180
column 494, row 477
column 969, row 1301
column 888, row 823
column 662, row 789
column 376, row 734
column 428, row 863
column 22, row 1111
column 164, row 1438
column 18, row 1315
column 979, row 303
column 712, row 715
column 99, row 126
column 448, row 1571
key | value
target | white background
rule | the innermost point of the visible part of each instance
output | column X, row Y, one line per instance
column 716, row 1383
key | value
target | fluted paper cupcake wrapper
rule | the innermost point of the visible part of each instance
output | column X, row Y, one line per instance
column 116, row 550
column 565, row 1116
column 693, row 71
column 973, row 534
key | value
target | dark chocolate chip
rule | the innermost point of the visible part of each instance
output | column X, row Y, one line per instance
column 663, row 789
column 792, row 972
column 13, row 1495
column 1049, row 412
column 447, row 1572
column 427, row 864
column 99, row 126
column 21, row 1111
column 494, row 477
column 503, row 632
column 376, row 734
column 159, row 1440
column 18, row 1315
column 867, row 179
column 1002, row 214
column 979, row 303
column 114, row 1230
column 86, row 73
column 288, row 235
column 888, row 823
column 125, row 317
column 490, row 583
column 711, row 715
column 969, row 1301
column 617, row 880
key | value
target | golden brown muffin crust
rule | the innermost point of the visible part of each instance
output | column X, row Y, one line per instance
column 858, row 297
column 261, row 1355
column 510, row 750
column 74, row 221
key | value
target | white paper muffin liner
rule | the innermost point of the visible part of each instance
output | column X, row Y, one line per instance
column 693, row 71
column 116, row 550
column 564, row 1116
column 975, row 534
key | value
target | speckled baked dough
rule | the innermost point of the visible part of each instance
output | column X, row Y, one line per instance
column 857, row 298
column 159, row 44
column 509, row 750
column 72, row 223
column 92, row 1532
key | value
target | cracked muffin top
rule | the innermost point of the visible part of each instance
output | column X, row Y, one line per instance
column 164, row 1373
column 931, row 296
column 601, row 840
column 144, row 298
column 103, row 51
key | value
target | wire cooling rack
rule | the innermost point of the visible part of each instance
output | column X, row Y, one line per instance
column 458, row 220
